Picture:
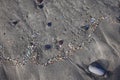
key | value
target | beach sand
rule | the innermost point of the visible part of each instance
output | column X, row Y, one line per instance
column 24, row 32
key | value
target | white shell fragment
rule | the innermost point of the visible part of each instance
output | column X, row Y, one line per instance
column 97, row 69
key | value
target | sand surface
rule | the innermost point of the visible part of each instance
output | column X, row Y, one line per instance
column 24, row 33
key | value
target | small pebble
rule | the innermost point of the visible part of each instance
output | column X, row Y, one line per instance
column 14, row 22
column 92, row 20
column 31, row 44
column 49, row 23
column 60, row 42
column 40, row 6
column 86, row 27
column 48, row 46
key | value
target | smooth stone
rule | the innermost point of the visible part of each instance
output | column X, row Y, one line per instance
column 97, row 69
column 48, row 46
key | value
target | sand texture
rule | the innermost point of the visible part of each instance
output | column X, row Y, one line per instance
column 58, row 39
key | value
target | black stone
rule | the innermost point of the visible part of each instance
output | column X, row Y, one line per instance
column 40, row 6
column 49, row 23
column 14, row 22
column 60, row 42
column 48, row 46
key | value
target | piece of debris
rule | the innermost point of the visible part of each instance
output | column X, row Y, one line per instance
column 49, row 24
column 97, row 69
column 86, row 27
column 47, row 46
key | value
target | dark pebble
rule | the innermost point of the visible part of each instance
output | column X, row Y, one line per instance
column 31, row 43
column 40, row 6
column 60, row 42
column 14, row 22
column 48, row 46
column 86, row 27
column 49, row 23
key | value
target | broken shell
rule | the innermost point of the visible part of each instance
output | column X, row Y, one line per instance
column 96, row 69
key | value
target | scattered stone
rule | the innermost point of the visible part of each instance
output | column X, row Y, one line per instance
column 40, row 6
column 86, row 27
column 14, row 22
column 71, row 46
column 61, row 42
column 49, row 24
column 31, row 43
column 92, row 20
column 97, row 69
column 48, row 46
